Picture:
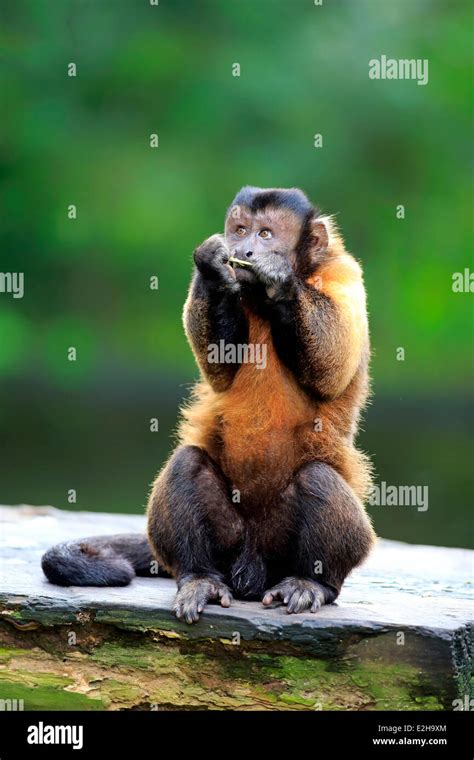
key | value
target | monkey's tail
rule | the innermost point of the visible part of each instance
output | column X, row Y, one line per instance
column 100, row 561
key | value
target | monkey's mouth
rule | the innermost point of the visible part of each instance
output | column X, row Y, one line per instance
column 242, row 270
column 237, row 263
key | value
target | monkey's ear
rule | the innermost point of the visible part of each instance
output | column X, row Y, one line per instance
column 319, row 238
column 313, row 246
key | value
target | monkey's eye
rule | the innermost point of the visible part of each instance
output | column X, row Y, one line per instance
column 265, row 234
column 240, row 231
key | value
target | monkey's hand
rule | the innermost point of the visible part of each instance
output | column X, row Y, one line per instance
column 272, row 270
column 211, row 259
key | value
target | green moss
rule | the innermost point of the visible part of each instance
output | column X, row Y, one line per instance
column 114, row 691
column 319, row 684
column 235, row 679
column 6, row 653
column 116, row 655
column 393, row 686
column 45, row 693
column 13, row 614
column 131, row 670
column 34, row 679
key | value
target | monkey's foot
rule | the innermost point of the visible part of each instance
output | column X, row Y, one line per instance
column 298, row 594
column 195, row 592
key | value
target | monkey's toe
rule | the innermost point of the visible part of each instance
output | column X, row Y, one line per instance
column 298, row 594
column 195, row 593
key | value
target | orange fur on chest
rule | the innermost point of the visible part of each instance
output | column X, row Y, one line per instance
column 262, row 427
column 260, row 412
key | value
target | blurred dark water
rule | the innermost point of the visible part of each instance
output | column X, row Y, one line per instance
column 98, row 442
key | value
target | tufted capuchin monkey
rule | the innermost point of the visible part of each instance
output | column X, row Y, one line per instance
column 263, row 497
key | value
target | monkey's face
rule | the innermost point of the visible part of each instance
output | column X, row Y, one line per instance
column 269, row 234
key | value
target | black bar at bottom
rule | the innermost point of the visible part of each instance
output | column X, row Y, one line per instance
column 138, row 734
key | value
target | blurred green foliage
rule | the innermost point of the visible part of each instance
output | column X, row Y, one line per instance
column 143, row 69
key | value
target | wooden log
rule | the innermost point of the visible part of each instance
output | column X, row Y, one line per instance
column 398, row 638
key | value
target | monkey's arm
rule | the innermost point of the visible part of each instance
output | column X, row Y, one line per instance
column 213, row 313
column 321, row 333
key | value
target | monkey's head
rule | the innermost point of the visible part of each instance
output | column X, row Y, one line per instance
column 276, row 228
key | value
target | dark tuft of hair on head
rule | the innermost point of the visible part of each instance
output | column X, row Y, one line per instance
column 258, row 198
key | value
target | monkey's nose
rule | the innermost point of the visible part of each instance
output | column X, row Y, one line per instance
column 248, row 254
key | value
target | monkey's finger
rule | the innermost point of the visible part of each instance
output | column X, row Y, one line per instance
column 316, row 606
column 302, row 601
column 284, row 591
column 224, row 596
column 186, row 612
column 223, row 253
column 273, row 595
column 293, row 601
column 226, row 599
column 190, row 612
